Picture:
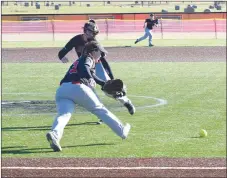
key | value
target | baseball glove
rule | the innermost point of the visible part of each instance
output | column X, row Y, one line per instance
column 114, row 88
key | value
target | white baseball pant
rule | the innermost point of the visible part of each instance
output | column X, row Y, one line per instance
column 68, row 95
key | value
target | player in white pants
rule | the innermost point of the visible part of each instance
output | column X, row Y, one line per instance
column 103, row 69
column 77, row 88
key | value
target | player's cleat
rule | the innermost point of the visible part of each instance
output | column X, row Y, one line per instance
column 136, row 41
column 151, row 45
column 130, row 107
column 100, row 122
column 126, row 130
column 54, row 142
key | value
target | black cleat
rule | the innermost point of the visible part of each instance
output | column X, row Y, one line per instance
column 136, row 41
column 130, row 107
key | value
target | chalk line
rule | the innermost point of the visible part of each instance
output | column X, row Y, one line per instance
column 160, row 102
column 116, row 168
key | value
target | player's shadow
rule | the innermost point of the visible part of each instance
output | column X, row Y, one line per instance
column 16, row 150
column 196, row 137
column 24, row 151
column 89, row 145
column 43, row 127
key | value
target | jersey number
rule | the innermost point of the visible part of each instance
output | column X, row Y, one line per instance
column 74, row 66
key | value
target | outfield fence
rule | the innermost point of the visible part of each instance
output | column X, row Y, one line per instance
column 113, row 29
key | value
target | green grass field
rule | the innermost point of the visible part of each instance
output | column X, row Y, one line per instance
column 195, row 95
column 99, row 7
column 157, row 42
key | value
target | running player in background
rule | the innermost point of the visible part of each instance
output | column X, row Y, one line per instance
column 148, row 26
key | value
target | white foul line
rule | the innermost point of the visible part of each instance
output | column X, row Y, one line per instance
column 117, row 168
column 160, row 103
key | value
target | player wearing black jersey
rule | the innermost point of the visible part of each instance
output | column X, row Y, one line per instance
column 103, row 69
column 148, row 26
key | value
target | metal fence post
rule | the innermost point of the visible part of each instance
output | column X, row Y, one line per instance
column 161, row 29
column 107, row 28
column 215, row 29
column 53, row 30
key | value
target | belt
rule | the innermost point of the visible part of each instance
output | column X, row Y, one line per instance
column 73, row 82
column 76, row 82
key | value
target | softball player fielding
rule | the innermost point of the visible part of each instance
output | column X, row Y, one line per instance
column 103, row 70
column 77, row 88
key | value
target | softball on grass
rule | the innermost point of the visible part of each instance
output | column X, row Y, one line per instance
column 203, row 133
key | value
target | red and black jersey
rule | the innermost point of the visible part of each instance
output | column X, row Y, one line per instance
column 81, row 71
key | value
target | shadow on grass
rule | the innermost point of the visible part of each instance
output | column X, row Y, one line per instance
column 8, row 147
column 43, row 127
column 5, row 150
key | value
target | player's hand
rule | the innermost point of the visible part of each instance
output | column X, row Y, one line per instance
column 92, row 83
column 64, row 60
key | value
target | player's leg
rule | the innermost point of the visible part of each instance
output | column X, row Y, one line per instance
column 143, row 37
column 92, row 103
column 150, row 38
column 102, row 74
column 65, row 108
column 127, row 103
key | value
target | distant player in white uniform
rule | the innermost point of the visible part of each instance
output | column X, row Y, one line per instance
column 77, row 88
column 103, row 69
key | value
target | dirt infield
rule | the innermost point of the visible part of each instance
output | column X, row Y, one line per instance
column 118, row 54
column 117, row 167
column 114, row 167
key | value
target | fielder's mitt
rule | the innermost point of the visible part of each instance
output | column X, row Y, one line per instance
column 114, row 88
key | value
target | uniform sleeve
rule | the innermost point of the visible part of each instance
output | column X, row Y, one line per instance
column 89, row 63
column 68, row 47
column 156, row 21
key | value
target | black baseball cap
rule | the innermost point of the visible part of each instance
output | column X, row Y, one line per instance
column 151, row 14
